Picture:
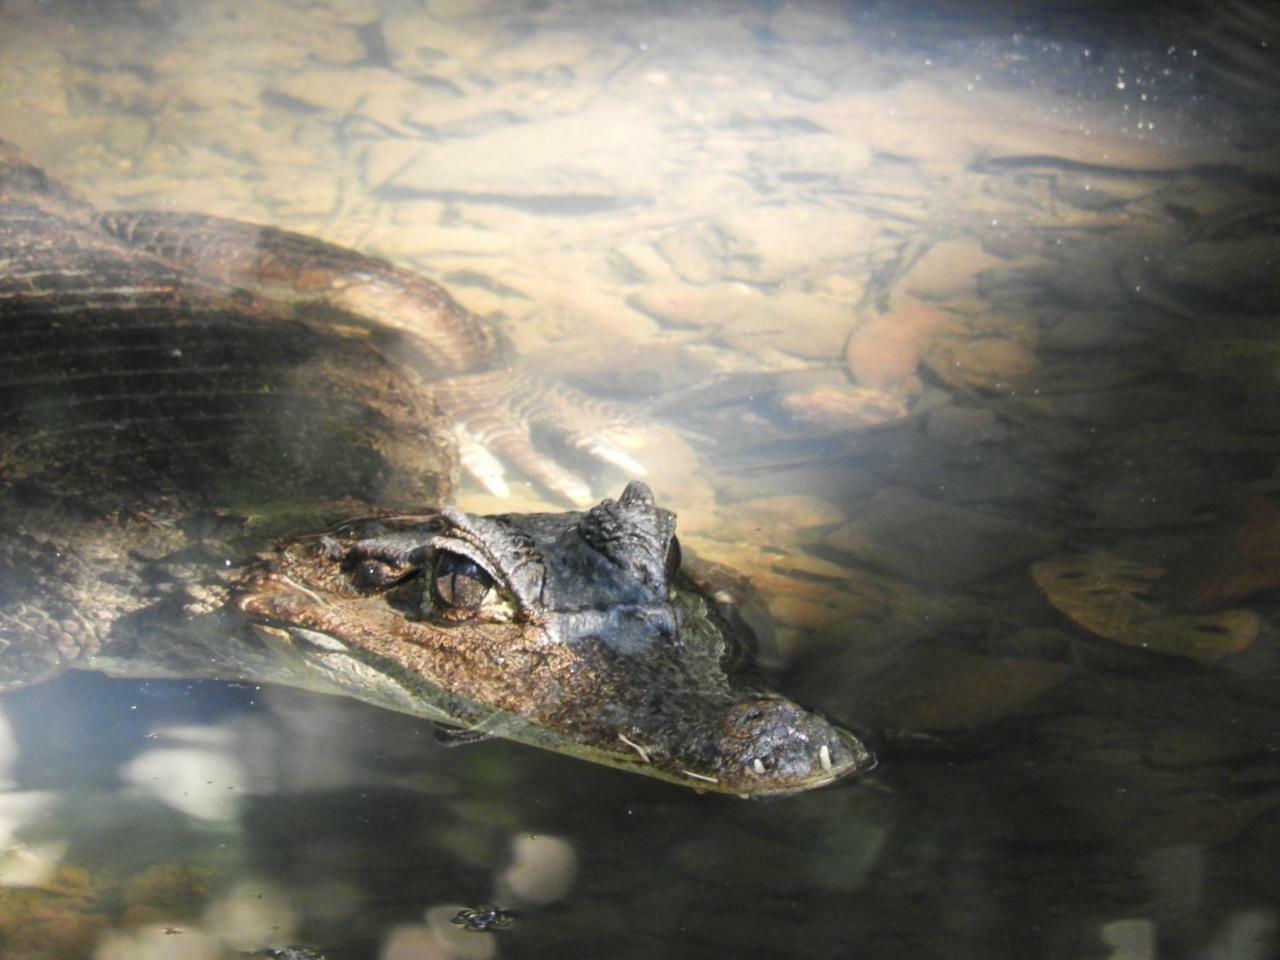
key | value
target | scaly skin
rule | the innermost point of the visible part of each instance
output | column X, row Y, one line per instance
column 178, row 460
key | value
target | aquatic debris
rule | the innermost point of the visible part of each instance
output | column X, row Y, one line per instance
column 644, row 754
column 1105, row 595
column 483, row 918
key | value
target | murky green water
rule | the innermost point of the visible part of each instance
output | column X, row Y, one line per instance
column 956, row 333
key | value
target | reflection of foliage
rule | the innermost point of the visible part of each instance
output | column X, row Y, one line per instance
column 64, row 917
column 166, row 892
column 61, row 918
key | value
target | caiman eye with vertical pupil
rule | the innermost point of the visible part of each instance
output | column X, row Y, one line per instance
column 673, row 559
column 458, row 582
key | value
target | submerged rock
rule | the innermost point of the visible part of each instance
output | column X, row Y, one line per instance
column 990, row 364
column 814, row 157
column 939, row 688
column 797, row 511
column 965, row 425
column 844, row 406
column 937, row 543
column 1105, row 594
column 1089, row 330
column 566, row 160
column 949, row 270
column 1237, row 562
column 883, row 351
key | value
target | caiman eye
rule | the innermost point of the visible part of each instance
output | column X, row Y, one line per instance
column 459, row 583
column 673, row 559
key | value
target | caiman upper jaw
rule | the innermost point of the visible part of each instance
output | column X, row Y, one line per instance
column 771, row 745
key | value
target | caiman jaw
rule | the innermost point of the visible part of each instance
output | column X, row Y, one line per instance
column 772, row 745
column 570, row 631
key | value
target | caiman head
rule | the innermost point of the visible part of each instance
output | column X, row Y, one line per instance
column 573, row 631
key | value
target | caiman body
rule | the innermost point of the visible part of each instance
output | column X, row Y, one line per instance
column 193, row 410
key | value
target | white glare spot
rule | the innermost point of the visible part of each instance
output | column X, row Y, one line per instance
column 542, row 870
column 481, row 464
column 191, row 778
column 23, row 865
column 618, row 458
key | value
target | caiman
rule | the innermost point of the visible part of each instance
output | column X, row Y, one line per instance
column 220, row 447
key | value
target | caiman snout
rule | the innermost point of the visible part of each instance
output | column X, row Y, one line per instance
column 775, row 745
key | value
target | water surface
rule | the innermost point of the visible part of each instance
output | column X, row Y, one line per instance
column 954, row 330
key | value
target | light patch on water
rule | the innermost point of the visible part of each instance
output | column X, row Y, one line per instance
column 8, row 751
column 20, row 808
column 158, row 942
column 420, row 942
column 252, row 914
column 1248, row 935
column 23, row 865
column 1130, row 939
column 542, row 870
column 202, row 779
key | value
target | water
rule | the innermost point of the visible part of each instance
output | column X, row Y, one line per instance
column 956, row 332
